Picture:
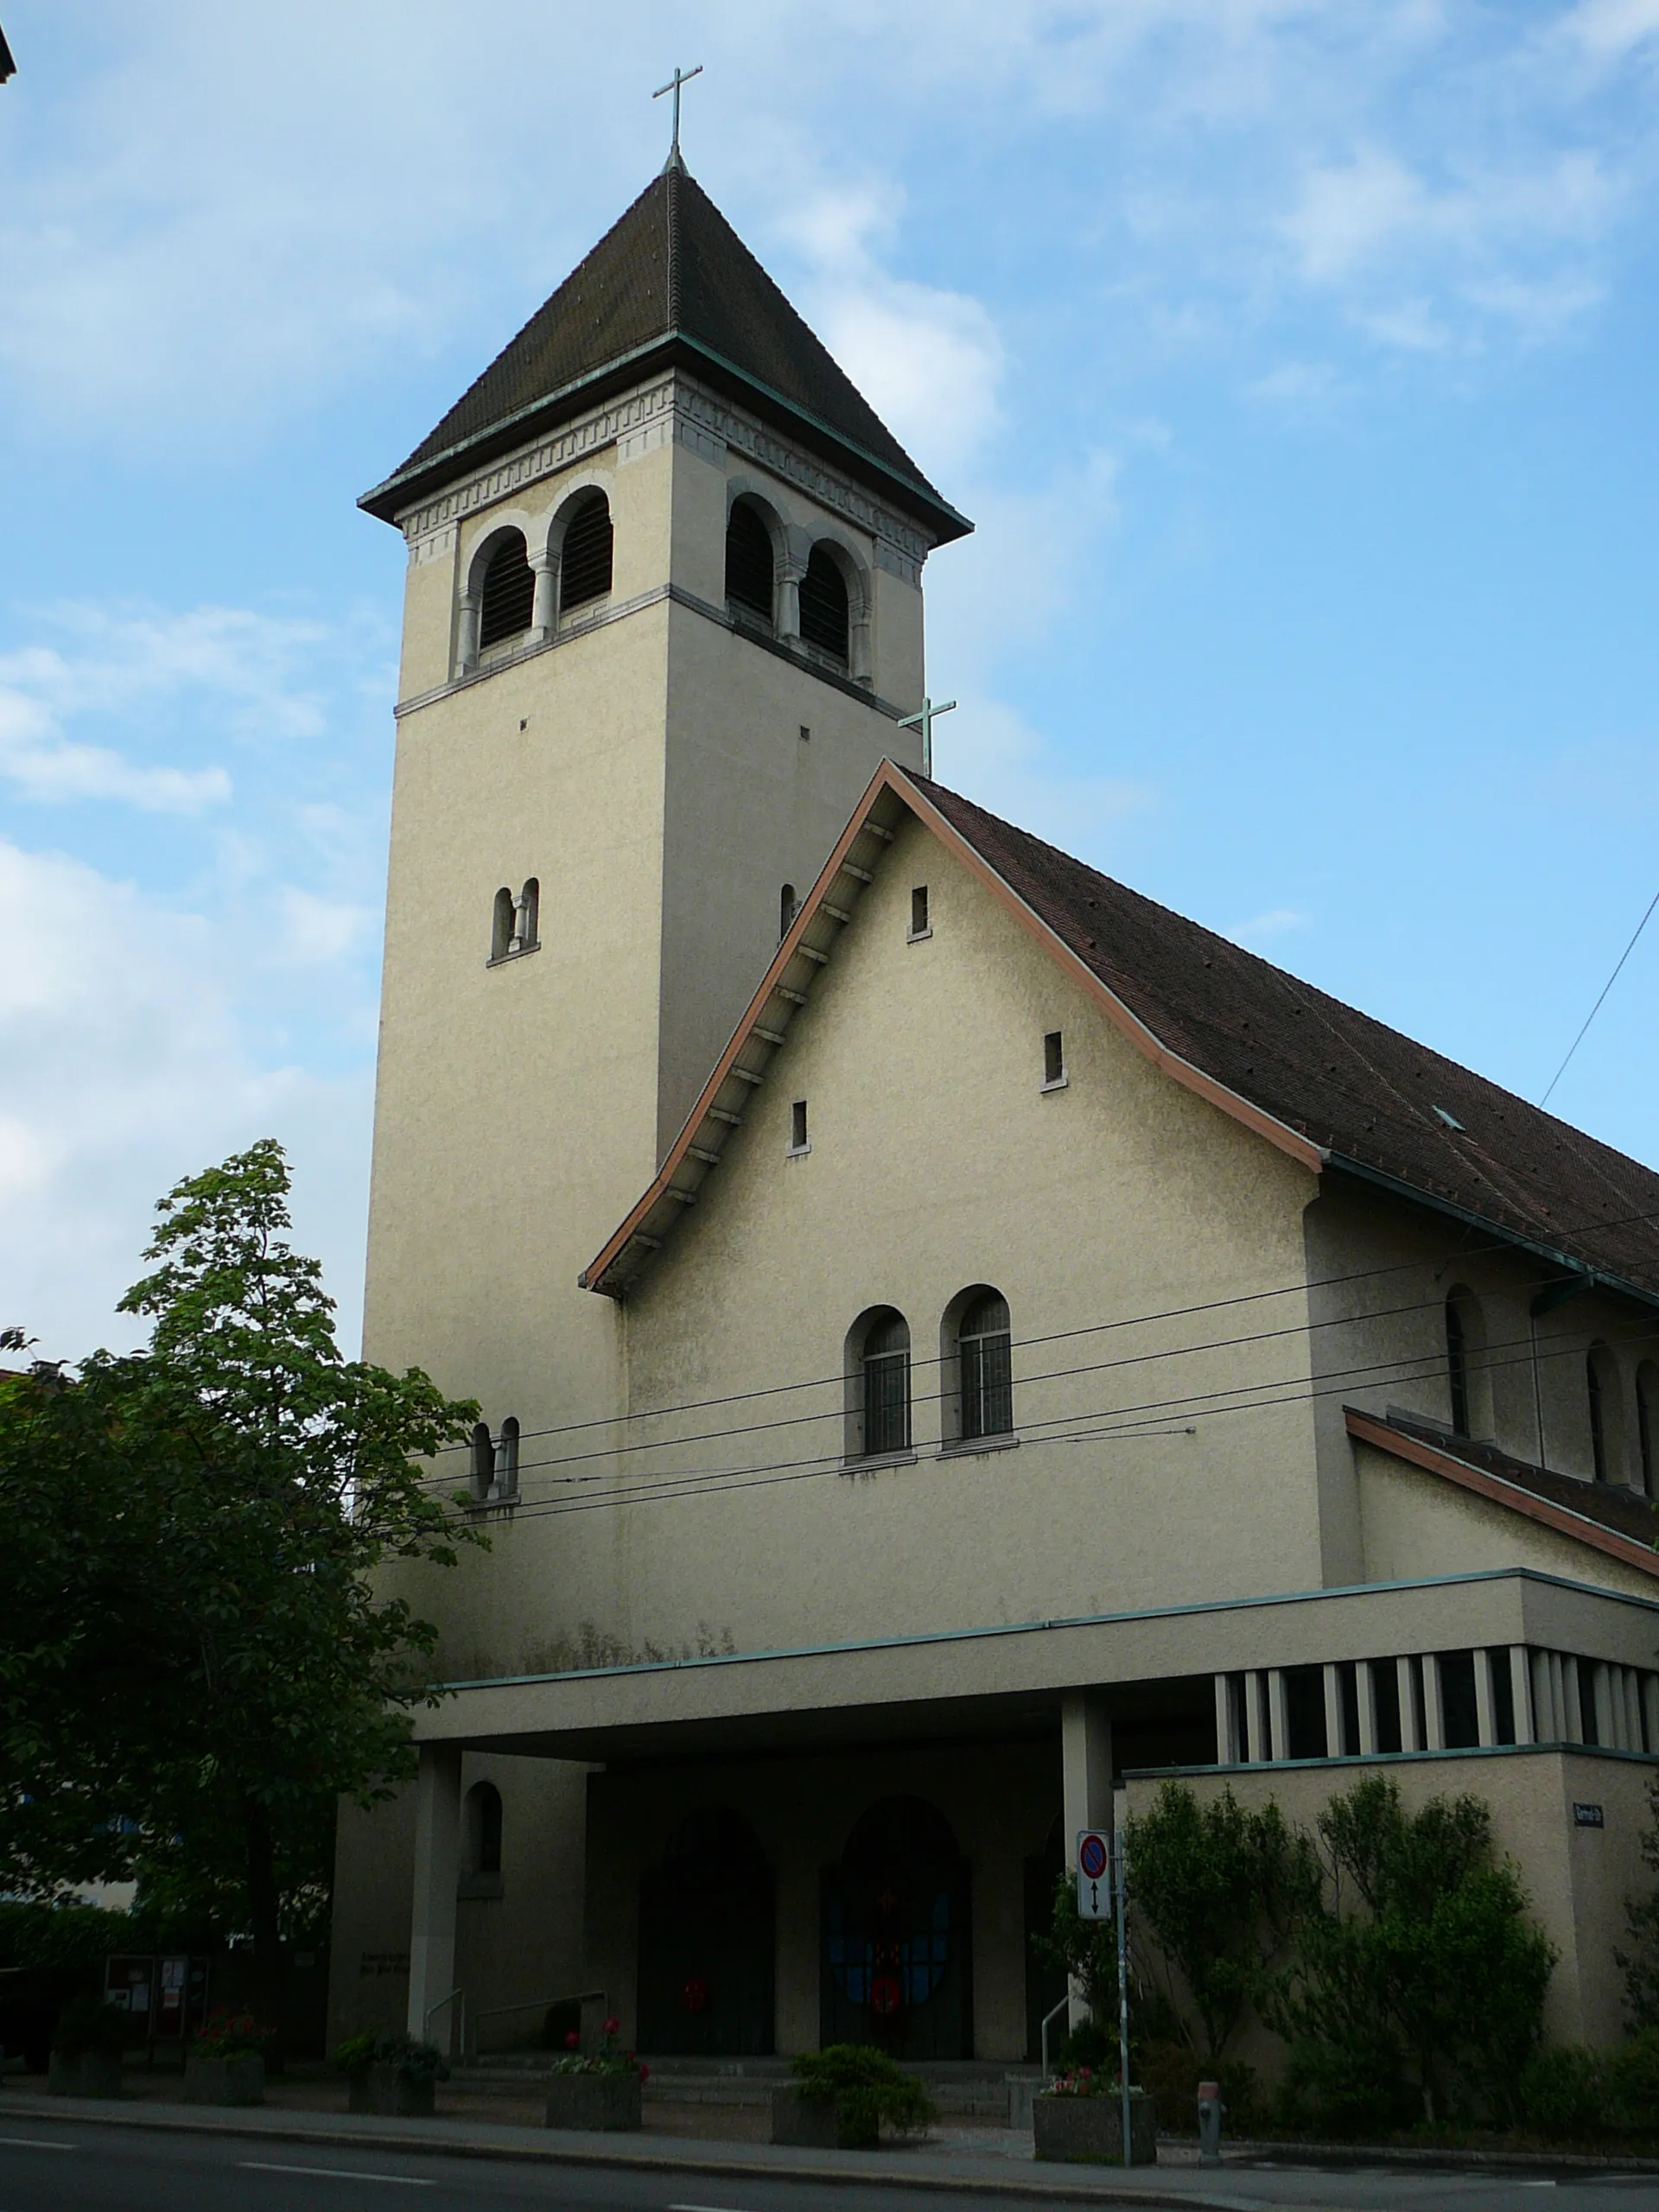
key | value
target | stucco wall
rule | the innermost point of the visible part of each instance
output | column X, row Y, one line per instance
column 938, row 1162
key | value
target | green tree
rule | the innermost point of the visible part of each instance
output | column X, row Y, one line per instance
column 196, row 1660
column 1421, row 1975
column 1217, row 1889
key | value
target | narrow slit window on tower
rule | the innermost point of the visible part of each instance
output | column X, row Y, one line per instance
column 526, row 929
column 1595, row 1394
column 1457, row 1368
column 798, row 1139
column 585, row 556
column 501, row 925
column 1054, row 1059
column 749, row 562
column 919, row 925
column 482, row 1470
column 787, row 909
column 508, row 594
column 824, row 605
column 1646, row 1424
column 507, row 1458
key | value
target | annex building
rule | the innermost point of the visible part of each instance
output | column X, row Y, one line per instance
column 955, row 1338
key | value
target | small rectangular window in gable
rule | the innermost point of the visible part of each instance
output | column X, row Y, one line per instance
column 797, row 1126
column 919, row 925
column 1053, row 1059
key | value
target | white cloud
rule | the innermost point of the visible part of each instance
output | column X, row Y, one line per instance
column 1261, row 929
column 126, row 1062
column 46, row 766
column 1609, row 30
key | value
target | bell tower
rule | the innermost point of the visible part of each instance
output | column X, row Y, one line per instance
column 663, row 614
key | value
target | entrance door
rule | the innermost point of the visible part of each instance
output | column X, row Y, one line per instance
column 896, row 1970
column 706, row 1942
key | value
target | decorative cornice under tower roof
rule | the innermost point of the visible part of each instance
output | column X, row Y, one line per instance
column 670, row 282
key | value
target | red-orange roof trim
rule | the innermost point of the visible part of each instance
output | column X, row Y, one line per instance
column 1365, row 1428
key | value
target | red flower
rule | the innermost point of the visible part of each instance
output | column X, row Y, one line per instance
column 644, row 2071
column 573, row 2041
column 613, row 2026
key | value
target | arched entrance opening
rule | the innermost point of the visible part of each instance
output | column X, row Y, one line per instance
column 706, row 1942
column 897, row 1967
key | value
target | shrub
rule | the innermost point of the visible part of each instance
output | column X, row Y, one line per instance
column 224, row 2034
column 868, row 2087
column 87, row 2024
column 1220, row 1891
column 1632, row 2077
column 415, row 2061
column 1424, row 1973
column 1562, row 2093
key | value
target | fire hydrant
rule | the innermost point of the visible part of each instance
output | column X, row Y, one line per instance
column 1210, row 2111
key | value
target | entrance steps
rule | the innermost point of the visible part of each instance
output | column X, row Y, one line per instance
column 970, row 2088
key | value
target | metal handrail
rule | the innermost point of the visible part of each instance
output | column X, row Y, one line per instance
column 1052, row 2014
column 531, row 2005
column 432, row 2009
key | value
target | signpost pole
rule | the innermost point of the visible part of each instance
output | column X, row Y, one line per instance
column 1122, row 1856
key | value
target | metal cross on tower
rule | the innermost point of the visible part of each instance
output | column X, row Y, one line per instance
column 923, row 721
column 680, row 76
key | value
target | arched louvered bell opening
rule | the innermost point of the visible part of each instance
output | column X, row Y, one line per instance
column 585, row 562
column 509, row 593
column 748, row 562
column 824, row 605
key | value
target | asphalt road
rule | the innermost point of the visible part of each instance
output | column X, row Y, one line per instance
column 48, row 2167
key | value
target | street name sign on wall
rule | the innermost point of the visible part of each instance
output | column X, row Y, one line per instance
column 1094, row 1879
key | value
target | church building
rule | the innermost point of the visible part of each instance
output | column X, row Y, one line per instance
column 957, row 1342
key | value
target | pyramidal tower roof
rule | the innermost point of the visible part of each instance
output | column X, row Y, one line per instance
column 669, row 283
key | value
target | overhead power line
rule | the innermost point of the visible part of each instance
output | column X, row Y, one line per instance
column 1457, row 1251
column 1605, row 987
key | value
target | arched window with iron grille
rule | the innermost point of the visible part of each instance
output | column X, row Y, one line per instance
column 985, row 1367
column 824, row 611
column 884, row 1374
column 508, row 592
column 749, row 564
column 1646, row 1425
column 585, row 555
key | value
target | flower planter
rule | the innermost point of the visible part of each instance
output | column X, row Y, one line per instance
column 604, row 2102
column 385, row 2089
column 817, row 2123
column 1089, row 2131
column 88, row 2074
column 211, row 2080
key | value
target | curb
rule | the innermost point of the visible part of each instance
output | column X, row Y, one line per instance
column 1062, row 2189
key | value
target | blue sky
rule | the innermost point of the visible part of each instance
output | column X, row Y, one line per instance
column 1295, row 357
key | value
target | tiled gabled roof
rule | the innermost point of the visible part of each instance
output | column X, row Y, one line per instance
column 1325, row 1083
column 670, row 280
column 1617, row 1521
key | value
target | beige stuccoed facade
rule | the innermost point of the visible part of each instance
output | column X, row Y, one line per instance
column 723, row 1664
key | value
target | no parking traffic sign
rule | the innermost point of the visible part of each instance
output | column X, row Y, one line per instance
column 1094, row 1883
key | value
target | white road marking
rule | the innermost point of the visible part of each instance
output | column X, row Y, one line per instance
column 33, row 2143
column 335, row 2173
column 700, row 2208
